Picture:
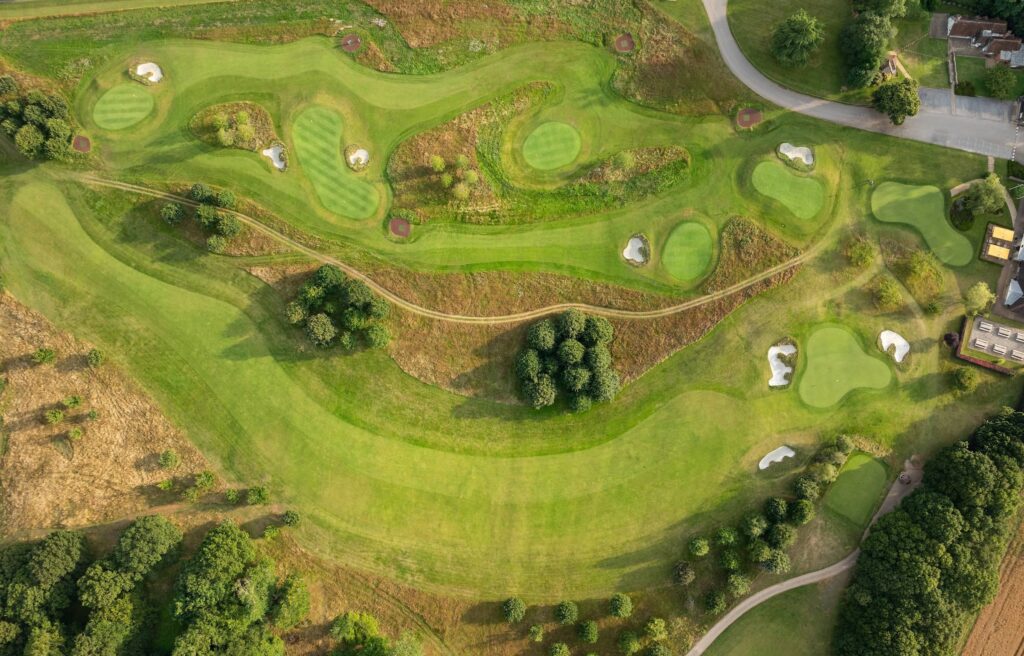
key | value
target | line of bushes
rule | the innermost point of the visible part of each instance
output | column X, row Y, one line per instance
column 932, row 563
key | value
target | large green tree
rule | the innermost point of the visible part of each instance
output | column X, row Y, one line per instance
column 795, row 39
column 897, row 99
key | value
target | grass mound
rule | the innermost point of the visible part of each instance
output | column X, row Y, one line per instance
column 317, row 138
column 123, row 106
column 857, row 488
column 837, row 365
column 801, row 195
column 551, row 145
column 922, row 207
column 688, row 250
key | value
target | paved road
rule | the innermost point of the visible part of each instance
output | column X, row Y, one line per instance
column 936, row 124
column 897, row 491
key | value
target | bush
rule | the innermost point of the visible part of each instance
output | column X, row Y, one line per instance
column 169, row 459
column 559, row 649
column 699, row 547
column 780, row 536
column 291, row 518
column 844, row 444
column 658, row 650
column 888, row 295
column 291, row 603
column 737, row 585
column 978, row 298
column 965, row 88
column 629, row 643
column 437, row 163
column 354, row 628
column 44, row 355
column 729, row 560
column 684, row 573
column 656, row 630
column 727, row 536
column 460, row 191
column 621, row 605
column 588, row 631
column 966, row 379
column 536, row 633
column 216, row 244
column 514, row 610
column 861, row 252
column 807, row 487
column 53, row 417
column 172, row 213
column 714, row 602
column 321, row 330
column 777, row 562
column 801, row 511
column 257, row 496
column 71, row 402
column 567, row 612
column 95, row 358
column 754, row 525
column 776, row 509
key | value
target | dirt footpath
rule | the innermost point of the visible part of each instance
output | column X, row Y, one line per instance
column 999, row 630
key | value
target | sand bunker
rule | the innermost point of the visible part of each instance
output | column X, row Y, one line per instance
column 801, row 153
column 780, row 370
column 889, row 338
column 358, row 158
column 636, row 250
column 776, row 456
column 150, row 71
column 274, row 153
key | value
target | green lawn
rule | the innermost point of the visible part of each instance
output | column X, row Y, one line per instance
column 838, row 365
column 551, row 145
column 318, row 144
column 123, row 106
column 688, row 251
column 856, row 492
column 802, row 195
column 924, row 208
column 972, row 69
column 926, row 61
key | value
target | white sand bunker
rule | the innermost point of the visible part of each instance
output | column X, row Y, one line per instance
column 802, row 153
column 150, row 71
column 780, row 370
column 275, row 153
column 778, row 455
column 357, row 158
column 890, row 339
column 636, row 250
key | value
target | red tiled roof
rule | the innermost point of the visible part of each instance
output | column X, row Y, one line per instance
column 969, row 27
column 996, row 46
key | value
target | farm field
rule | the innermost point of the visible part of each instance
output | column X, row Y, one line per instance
column 421, row 457
column 997, row 632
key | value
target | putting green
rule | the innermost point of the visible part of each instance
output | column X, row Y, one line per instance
column 123, row 106
column 856, row 490
column 837, row 365
column 924, row 208
column 317, row 137
column 688, row 250
column 551, row 145
column 803, row 196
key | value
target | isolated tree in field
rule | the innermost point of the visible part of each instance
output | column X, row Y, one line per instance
column 985, row 196
column 621, row 605
column 170, row 459
column 1000, row 82
column 514, row 610
column 863, row 43
column 437, row 163
column 966, row 379
column 796, row 38
column 897, row 99
column 567, row 612
column 978, row 298
column 588, row 631
column 699, row 547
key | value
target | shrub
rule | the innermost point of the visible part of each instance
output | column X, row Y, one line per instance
column 844, row 444
column 737, row 585
column 257, row 496
column 461, row 162
column 472, row 178
column 95, row 358
column 447, row 180
column 796, row 38
column 291, row 518
column 628, row 643
column 44, row 355
column 656, row 630
column 714, row 602
column 437, row 163
column 621, row 605
column 514, row 610
column 567, row 612
column 699, row 547
column 377, row 337
column 216, row 244
column 536, row 633
column 588, row 631
column 801, row 511
column 228, row 226
column 729, row 560
column 888, row 296
column 559, row 649
column 354, row 628
column 170, row 459
column 172, row 213
column 776, row 509
column 54, row 416
column 966, row 379
column 460, row 191
column 71, row 402
column 1000, row 82
column 8, row 85
column 979, row 296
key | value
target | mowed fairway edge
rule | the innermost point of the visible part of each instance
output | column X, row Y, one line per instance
column 838, row 365
column 317, row 135
column 923, row 207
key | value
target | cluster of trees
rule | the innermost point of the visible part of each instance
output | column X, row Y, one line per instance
column 569, row 355
column 795, row 39
column 933, row 562
column 336, row 309
column 39, row 123
column 978, row 298
column 220, row 226
column 864, row 41
column 358, row 633
column 985, row 196
column 235, row 129
column 761, row 540
column 652, row 634
column 460, row 182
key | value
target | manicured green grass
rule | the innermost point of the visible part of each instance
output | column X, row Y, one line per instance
column 688, row 251
column 923, row 207
column 856, row 491
column 318, row 144
column 23, row 9
column 802, row 195
column 926, row 62
column 972, row 69
column 838, row 365
column 551, row 145
column 123, row 106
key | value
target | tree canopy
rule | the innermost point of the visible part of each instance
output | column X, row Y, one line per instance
column 795, row 39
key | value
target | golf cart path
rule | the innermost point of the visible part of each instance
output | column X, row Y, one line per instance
column 897, row 491
column 414, row 308
column 935, row 124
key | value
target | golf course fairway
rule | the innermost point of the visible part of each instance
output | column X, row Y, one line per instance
column 837, row 365
column 923, row 207
column 802, row 195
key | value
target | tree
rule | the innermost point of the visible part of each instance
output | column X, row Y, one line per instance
column 225, row 137
column 461, row 162
column 776, row 509
column 860, row 252
column 888, row 295
column 978, row 298
column 727, row 536
column 780, row 536
column 321, row 330
column 354, row 628
column 471, row 177
column 567, row 612
column 597, row 331
column 571, row 352
column 714, row 602
column 200, row 193
column 437, row 163
column 588, row 631
column 257, row 496
column 863, row 43
column 888, row 8
column 621, row 605
column 447, row 180
column 145, row 544
column 684, row 573
column 29, row 141
column 224, row 198
column 53, row 416
column 796, row 38
column 655, row 629
column 460, row 191
column 571, row 324
column 985, row 197
column 1000, row 82
column 291, row 518
column 629, row 643
column 777, row 562
column 729, row 560
column 699, row 547
column 377, row 337
column 801, row 511
column 514, row 610
column 228, row 226
column 8, row 85
column 536, row 633
column 291, row 603
column 541, row 336
column 246, row 133
column 754, row 525
column 737, row 585
column 540, row 392
column 897, row 99
column 559, row 649
column 658, row 650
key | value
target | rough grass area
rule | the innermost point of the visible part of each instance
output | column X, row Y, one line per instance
column 263, row 134
column 688, row 252
column 836, row 365
column 922, row 207
column 746, row 248
column 123, row 106
column 856, row 492
column 802, row 195
column 317, row 134
column 551, row 145
column 972, row 69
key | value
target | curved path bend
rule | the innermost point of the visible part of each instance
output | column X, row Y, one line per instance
column 431, row 313
column 934, row 125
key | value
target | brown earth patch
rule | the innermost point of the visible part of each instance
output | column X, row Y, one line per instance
column 999, row 630
column 748, row 117
column 111, row 470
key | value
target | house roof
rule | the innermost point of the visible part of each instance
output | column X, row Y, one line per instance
column 970, row 27
column 1003, row 234
column 1013, row 293
column 1004, row 44
column 999, row 252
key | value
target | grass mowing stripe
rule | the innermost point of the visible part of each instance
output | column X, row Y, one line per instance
column 123, row 106
column 551, row 145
